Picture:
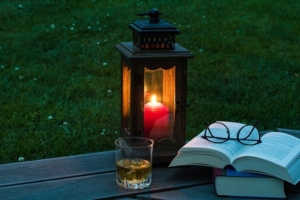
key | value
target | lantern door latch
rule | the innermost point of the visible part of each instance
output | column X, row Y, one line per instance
column 181, row 106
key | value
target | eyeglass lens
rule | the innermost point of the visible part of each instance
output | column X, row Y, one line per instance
column 249, row 135
column 218, row 133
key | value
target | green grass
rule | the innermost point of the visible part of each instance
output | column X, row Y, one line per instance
column 57, row 59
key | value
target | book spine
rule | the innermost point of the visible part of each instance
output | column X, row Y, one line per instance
column 216, row 172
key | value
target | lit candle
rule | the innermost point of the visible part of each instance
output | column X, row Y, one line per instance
column 156, row 119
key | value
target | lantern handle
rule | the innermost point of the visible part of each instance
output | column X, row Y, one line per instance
column 154, row 15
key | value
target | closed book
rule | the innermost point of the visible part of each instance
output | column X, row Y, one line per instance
column 229, row 182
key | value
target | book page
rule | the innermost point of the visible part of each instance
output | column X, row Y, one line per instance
column 230, row 148
column 279, row 148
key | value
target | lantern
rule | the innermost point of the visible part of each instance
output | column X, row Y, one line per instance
column 154, row 86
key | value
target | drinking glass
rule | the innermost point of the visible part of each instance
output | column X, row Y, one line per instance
column 134, row 162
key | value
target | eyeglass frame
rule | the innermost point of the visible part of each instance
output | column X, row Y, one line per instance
column 228, row 133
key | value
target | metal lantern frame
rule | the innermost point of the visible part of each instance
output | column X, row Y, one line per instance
column 153, row 47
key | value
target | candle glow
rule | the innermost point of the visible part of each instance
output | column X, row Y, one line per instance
column 153, row 99
column 156, row 119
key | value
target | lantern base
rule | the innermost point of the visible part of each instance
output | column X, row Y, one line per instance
column 164, row 151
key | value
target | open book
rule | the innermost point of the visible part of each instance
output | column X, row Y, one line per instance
column 277, row 155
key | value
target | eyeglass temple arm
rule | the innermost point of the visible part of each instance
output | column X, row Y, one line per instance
column 254, row 126
column 207, row 126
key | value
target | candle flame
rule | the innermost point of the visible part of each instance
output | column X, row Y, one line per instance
column 153, row 98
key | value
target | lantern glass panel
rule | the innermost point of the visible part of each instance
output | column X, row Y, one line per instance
column 159, row 102
column 126, row 97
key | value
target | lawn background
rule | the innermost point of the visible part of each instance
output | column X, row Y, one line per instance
column 60, row 71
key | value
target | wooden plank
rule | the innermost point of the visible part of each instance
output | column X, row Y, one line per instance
column 103, row 186
column 198, row 192
column 290, row 188
column 56, row 168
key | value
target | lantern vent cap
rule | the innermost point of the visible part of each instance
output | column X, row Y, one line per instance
column 153, row 33
column 153, row 25
column 154, row 15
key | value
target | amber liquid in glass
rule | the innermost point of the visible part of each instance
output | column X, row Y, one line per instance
column 134, row 173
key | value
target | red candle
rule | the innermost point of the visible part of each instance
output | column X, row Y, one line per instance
column 156, row 119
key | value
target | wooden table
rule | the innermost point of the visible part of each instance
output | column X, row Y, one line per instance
column 92, row 176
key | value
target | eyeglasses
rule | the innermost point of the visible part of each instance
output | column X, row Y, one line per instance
column 218, row 132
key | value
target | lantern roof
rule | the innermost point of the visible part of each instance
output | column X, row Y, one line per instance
column 154, row 33
column 154, row 24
